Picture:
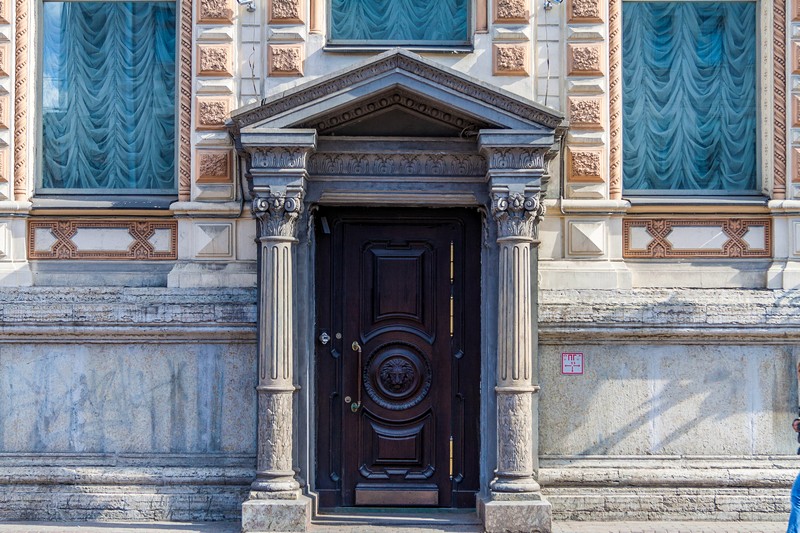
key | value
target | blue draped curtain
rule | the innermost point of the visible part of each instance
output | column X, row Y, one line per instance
column 689, row 96
column 108, row 96
column 399, row 20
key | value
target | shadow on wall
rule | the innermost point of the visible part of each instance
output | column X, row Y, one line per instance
column 665, row 397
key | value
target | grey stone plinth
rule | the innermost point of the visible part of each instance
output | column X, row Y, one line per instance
column 276, row 515
column 531, row 516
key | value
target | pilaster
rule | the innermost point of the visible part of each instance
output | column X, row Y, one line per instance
column 276, row 177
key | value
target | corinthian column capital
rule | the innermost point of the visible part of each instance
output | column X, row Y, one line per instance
column 517, row 213
column 277, row 213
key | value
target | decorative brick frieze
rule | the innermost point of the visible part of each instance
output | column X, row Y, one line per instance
column 585, row 59
column 585, row 11
column 510, row 59
column 285, row 59
column 133, row 240
column 286, row 11
column 662, row 238
column 215, row 60
column 212, row 112
column 214, row 166
column 215, row 12
column 585, row 164
column 511, row 11
column 585, row 112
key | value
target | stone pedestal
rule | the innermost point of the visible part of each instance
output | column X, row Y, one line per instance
column 263, row 515
column 515, row 516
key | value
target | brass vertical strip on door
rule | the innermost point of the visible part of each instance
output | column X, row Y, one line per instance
column 452, row 276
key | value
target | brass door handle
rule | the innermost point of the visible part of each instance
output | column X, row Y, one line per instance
column 355, row 406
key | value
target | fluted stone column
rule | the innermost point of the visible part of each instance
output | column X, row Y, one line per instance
column 517, row 176
column 276, row 177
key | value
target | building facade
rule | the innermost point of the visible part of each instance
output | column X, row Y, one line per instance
column 533, row 258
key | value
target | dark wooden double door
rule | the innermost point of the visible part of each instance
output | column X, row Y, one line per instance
column 398, row 357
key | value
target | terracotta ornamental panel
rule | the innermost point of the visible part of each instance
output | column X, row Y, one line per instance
column 664, row 238
column 134, row 240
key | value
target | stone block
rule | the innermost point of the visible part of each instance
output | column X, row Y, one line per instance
column 516, row 516
column 276, row 515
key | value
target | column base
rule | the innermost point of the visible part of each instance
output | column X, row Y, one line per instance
column 263, row 515
column 515, row 516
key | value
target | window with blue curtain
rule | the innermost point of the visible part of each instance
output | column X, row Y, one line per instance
column 399, row 22
column 108, row 98
column 689, row 98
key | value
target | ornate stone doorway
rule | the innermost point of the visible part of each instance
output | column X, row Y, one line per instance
column 398, row 357
column 396, row 131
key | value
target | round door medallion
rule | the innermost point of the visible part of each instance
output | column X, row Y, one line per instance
column 397, row 376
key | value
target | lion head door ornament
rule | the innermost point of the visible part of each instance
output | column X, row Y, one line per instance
column 397, row 376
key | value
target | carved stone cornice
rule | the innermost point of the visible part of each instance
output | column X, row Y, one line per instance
column 277, row 213
column 517, row 214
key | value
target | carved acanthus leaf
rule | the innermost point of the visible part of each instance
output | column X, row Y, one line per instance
column 277, row 214
column 517, row 214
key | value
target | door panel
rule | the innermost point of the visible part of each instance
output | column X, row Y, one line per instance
column 397, row 382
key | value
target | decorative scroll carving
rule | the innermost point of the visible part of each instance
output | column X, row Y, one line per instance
column 20, row 98
column 615, row 98
column 146, row 244
column 401, row 99
column 396, row 164
column 215, row 12
column 585, row 164
column 212, row 112
column 584, row 11
column 584, row 60
column 215, row 60
column 660, row 247
column 514, row 431
column 275, row 432
column 411, row 65
column 285, row 59
column 511, row 11
column 277, row 214
column 510, row 59
column 779, row 100
column 185, row 104
column 586, row 112
column 214, row 166
column 517, row 214
column 285, row 12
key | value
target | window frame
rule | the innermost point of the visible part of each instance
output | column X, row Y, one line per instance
column 376, row 45
column 762, row 99
column 98, row 193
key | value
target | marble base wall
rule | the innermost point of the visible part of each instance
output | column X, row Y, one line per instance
column 126, row 403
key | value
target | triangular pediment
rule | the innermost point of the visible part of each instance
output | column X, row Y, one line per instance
column 397, row 93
